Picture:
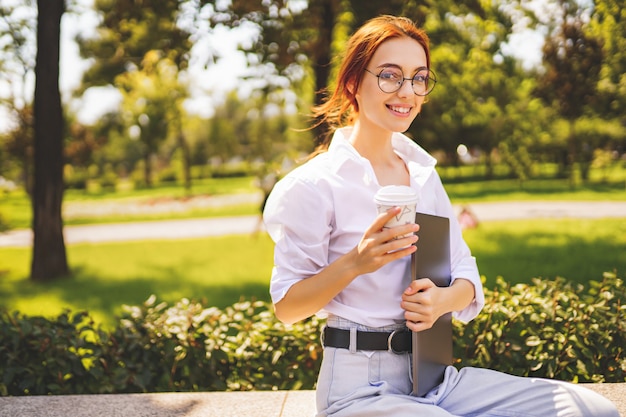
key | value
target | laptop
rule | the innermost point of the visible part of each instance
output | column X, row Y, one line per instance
column 432, row 348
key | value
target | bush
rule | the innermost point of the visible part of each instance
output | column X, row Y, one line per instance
column 38, row 356
column 550, row 329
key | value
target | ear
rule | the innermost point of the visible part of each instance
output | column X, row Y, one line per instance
column 351, row 87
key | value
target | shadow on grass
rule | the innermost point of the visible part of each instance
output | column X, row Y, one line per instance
column 104, row 298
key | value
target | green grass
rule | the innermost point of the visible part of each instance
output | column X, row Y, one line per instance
column 553, row 190
column 15, row 208
column 224, row 269
column 576, row 249
column 105, row 276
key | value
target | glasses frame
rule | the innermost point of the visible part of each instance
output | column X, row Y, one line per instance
column 432, row 77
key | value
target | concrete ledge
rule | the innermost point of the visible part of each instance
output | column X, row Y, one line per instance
column 201, row 404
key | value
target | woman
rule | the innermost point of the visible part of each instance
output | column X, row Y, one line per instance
column 333, row 257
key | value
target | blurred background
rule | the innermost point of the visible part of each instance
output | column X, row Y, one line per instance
column 135, row 110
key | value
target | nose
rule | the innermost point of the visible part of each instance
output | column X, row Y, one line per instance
column 406, row 89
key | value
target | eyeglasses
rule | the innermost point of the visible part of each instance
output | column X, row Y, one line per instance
column 391, row 79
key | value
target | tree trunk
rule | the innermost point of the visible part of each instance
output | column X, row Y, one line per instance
column 322, row 60
column 572, row 153
column 147, row 169
column 182, row 142
column 49, row 257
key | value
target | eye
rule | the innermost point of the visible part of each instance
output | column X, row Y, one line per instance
column 391, row 75
column 420, row 78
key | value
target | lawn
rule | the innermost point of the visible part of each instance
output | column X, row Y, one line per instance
column 222, row 270
column 218, row 270
column 576, row 249
column 16, row 213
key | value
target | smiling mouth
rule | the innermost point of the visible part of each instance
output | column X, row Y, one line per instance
column 402, row 110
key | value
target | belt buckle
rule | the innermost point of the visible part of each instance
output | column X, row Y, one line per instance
column 390, row 341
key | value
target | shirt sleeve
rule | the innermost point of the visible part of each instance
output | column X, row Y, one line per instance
column 463, row 263
column 298, row 217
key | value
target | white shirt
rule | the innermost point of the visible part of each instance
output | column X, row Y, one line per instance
column 319, row 212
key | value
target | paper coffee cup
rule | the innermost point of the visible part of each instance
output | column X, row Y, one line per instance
column 397, row 196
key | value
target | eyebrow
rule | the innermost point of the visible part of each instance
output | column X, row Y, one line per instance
column 389, row 64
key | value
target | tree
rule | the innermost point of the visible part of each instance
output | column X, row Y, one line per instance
column 49, row 256
column 293, row 38
column 572, row 58
column 299, row 40
column 17, row 63
column 130, row 31
column 18, row 144
column 152, row 101
column 609, row 24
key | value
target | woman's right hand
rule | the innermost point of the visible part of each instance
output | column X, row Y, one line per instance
column 379, row 245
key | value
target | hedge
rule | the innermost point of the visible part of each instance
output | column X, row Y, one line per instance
column 551, row 328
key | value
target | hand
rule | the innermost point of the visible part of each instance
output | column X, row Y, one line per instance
column 380, row 246
column 422, row 302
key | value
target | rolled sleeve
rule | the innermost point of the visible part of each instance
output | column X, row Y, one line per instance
column 298, row 219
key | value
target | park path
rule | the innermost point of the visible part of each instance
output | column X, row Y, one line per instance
column 218, row 226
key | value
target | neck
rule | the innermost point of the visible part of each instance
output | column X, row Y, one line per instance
column 373, row 144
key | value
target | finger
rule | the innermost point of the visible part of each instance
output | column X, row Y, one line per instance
column 402, row 231
column 405, row 234
column 419, row 314
column 405, row 246
column 381, row 219
column 418, row 326
column 418, row 285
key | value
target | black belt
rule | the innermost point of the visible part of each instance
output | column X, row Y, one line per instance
column 397, row 341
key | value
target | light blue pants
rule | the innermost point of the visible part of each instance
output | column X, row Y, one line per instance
column 363, row 384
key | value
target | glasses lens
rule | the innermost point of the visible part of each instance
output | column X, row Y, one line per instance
column 390, row 80
column 424, row 81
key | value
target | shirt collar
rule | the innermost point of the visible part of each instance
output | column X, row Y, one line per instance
column 419, row 162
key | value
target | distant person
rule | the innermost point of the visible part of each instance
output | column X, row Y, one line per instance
column 333, row 257
column 467, row 219
column 266, row 184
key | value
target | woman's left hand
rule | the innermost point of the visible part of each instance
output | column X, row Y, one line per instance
column 422, row 302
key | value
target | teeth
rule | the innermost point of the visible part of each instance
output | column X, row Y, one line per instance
column 400, row 109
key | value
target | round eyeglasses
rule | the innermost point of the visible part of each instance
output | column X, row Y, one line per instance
column 391, row 79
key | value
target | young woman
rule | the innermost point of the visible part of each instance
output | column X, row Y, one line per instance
column 333, row 257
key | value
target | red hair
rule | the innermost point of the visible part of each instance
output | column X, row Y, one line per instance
column 339, row 109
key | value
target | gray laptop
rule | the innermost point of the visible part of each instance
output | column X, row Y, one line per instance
column 432, row 348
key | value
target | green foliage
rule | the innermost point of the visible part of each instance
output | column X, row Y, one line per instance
column 75, row 179
column 39, row 356
column 549, row 329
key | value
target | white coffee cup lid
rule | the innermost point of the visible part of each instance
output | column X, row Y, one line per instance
column 396, row 194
